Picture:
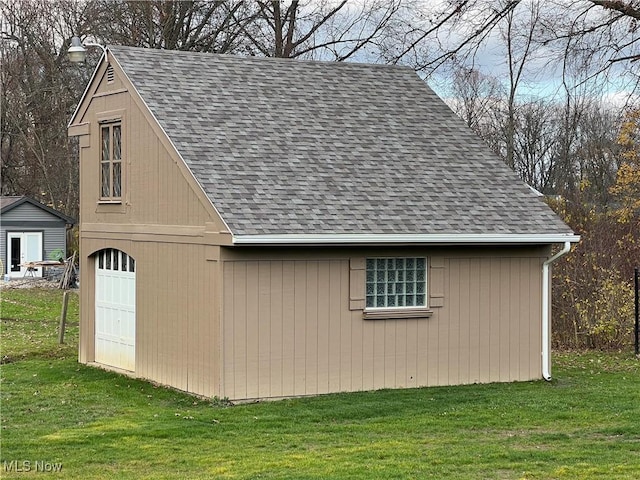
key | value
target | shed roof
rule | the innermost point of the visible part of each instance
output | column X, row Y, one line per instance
column 8, row 203
column 298, row 148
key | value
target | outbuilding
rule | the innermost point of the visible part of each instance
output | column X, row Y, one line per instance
column 265, row 228
column 30, row 231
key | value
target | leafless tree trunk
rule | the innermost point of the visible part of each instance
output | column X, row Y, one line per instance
column 518, row 36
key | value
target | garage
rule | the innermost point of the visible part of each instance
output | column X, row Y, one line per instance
column 115, row 329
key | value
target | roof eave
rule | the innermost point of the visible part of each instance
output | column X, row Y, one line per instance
column 24, row 199
column 404, row 239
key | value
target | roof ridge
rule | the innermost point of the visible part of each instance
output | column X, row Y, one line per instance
column 257, row 58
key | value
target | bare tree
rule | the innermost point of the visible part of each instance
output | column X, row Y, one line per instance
column 39, row 94
column 534, row 143
column 197, row 25
column 329, row 30
column 518, row 34
column 430, row 39
column 476, row 98
column 600, row 36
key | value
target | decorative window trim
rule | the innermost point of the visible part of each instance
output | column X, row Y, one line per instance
column 357, row 286
column 110, row 119
column 434, row 291
column 436, row 281
column 111, row 161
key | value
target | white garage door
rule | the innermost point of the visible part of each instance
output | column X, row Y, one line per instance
column 115, row 309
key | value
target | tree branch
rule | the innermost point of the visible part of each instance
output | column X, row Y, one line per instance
column 625, row 8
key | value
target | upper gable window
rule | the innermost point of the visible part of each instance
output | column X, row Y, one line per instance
column 111, row 161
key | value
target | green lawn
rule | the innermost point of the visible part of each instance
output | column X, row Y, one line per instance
column 96, row 424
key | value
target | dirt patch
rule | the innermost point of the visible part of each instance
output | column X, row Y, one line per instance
column 28, row 283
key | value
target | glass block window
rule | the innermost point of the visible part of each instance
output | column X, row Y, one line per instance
column 111, row 161
column 396, row 282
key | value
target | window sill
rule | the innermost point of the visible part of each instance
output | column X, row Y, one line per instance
column 110, row 206
column 396, row 313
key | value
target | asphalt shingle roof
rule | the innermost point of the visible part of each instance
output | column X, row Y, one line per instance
column 9, row 200
column 8, row 203
column 292, row 147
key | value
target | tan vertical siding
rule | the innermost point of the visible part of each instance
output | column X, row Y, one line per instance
column 324, row 337
column 299, row 328
column 334, row 321
column 517, row 358
column 484, row 328
column 348, row 345
column 276, row 330
column 493, row 322
column 252, row 334
column 86, row 351
column 264, row 331
column 161, row 223
column 499, row 319
column 157, row 187
column 473, row 314
column 311, row 331
column 533, row 287
column 176, row 335
column 289, row 328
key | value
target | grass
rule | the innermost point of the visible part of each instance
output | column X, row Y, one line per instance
column 97, row 424
column 30, row 322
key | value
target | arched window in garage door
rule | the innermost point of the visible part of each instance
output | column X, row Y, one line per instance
column 115, row 300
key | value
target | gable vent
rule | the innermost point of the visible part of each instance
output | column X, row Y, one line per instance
column 111, row 76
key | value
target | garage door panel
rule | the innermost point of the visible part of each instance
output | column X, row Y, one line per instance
column 115, row 311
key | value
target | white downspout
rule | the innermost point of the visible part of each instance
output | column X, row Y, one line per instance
column 546, row 295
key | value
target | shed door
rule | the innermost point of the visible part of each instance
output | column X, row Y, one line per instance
column 115, row 309
column 23, row 247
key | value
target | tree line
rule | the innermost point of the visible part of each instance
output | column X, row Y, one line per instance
column 558, row 102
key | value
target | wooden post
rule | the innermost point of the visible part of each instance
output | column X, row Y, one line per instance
column 63, row 316
column 636, row 284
